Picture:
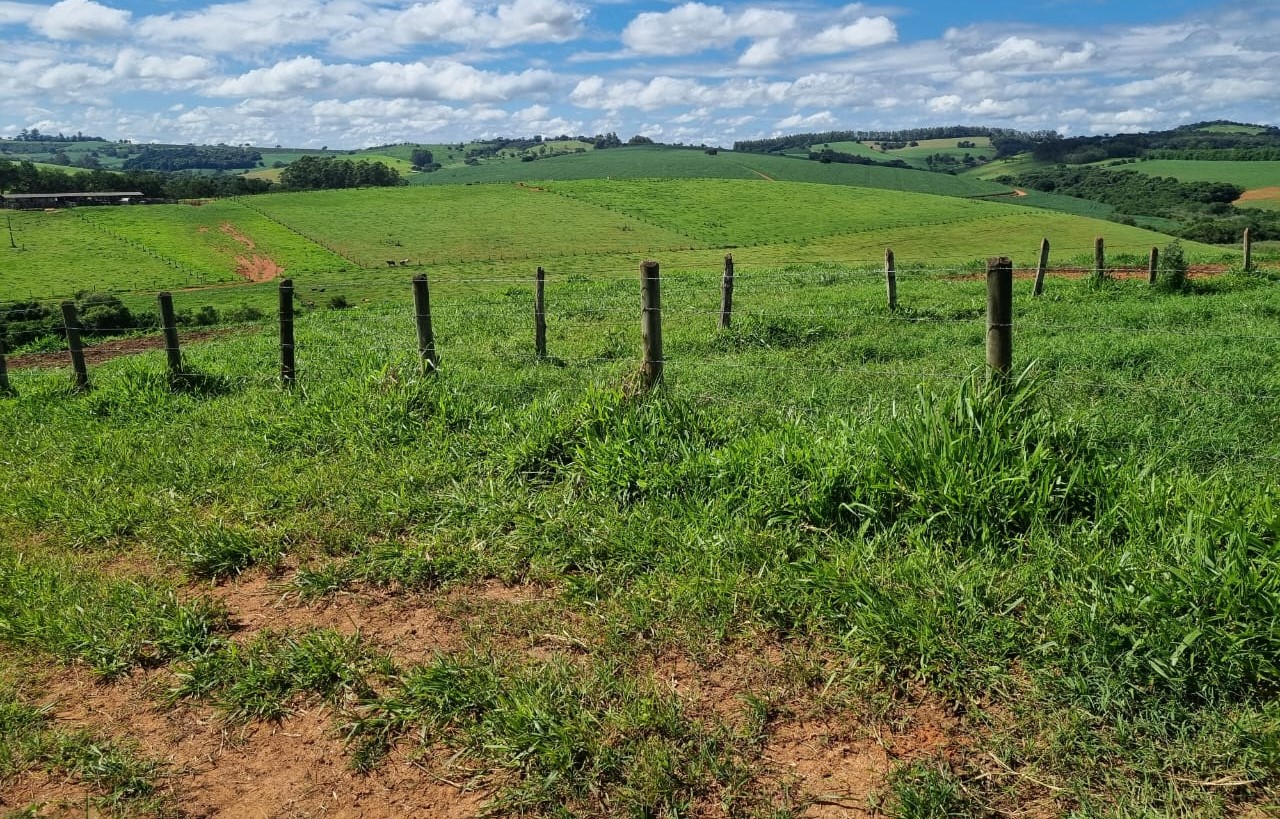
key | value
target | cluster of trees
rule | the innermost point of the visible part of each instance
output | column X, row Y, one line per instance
column 1198, row 141
column 792, row 141
column 34, row 135
column 827, row 156
column 1203, row 208
column 326, row 172
column 25, row 177
column 1130, row 192
column 423, row 160
column 947, row 163
column 187, row 157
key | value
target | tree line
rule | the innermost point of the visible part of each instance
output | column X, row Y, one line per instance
column 792, row 141
column 27, row 177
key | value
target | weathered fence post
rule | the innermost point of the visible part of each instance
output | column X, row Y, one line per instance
column 539, row 315
column 1153, row 266
column 5, row 387
column 891, row 279
column 726, row 293
column 170, row 324
column 71, row 324
column 422, row 317
column 1041, row 268
column 1099, row 258
column 288, row 363
column 999, row 318
column 651, row 324
column 1248, row 251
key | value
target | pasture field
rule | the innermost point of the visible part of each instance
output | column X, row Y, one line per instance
column 59, row 254
column 819, row 570
column 1247, row 175
column 646, row 162
column 337, row 243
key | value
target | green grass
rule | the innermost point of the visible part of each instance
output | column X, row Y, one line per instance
column 1248, row 175
column 1092, row 548
column 651, row 162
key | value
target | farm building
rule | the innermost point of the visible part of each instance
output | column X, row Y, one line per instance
column 65, row 200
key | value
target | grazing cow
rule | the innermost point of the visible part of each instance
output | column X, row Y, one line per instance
column 391, row 262
column 404, row 262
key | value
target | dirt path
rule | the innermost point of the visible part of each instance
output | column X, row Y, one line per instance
column 114, row 348
column 760, row 174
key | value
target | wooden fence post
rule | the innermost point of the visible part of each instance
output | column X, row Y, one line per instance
column 422, row 317
column 1042, row 267
column 288, row 363
column 1153, row 266
column 891, row 279
column 651, row 324
column 999, row 318
column 539, row 315
column 1099, row 259
column 5, row 387
column 170, row 324
column 1248, row 251
column 75, row 346
column 726, row 293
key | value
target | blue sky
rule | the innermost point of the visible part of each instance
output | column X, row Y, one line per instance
column 353, row 73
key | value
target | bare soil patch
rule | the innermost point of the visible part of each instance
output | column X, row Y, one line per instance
column 257, row 269
column 296, row 767
column 409, row 628
column 46, row 794
column 838, row 765
column 1260, row 194
column 113, row 348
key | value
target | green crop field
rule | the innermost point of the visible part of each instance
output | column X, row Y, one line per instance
column 691, row 163
column 821, row 564
column 1247, row 175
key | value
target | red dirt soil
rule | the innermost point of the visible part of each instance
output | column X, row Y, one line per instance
column 108, row 350
column 296, row 767
column 1260, row 195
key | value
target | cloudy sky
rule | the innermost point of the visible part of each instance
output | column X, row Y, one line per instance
column 353, row 73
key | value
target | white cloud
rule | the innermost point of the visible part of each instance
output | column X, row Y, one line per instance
column 1033, row 55
column 434, row 80
column 81, row 20
column 945, row 103
column 18, row 13
column 664, row 91
column 133, row 64
column 862, row 33
column 821, row 119
column 695, row 27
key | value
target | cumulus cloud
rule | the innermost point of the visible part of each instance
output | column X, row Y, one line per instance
column 433, row 80
column 18, row 13
column 664, row 91
column 862, row 33
column 797, row 121
column 133, row 64
column 1032, row 55
column 81, row 20
column 695, row 27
